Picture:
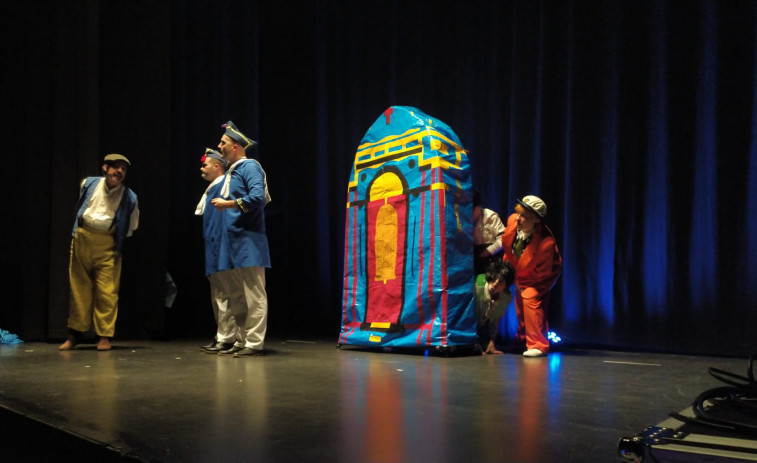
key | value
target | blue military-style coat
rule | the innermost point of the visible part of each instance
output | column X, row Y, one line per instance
column 244, row 242
column 212, row 227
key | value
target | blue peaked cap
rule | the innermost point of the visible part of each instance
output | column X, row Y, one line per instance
column 235, row 134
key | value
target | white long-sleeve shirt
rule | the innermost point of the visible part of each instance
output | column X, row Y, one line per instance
column 102, row 208
column 489, row 230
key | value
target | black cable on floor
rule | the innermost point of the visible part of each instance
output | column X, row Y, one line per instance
column 738, row 399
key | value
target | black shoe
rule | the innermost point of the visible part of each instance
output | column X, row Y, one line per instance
column 213, row 343
column 249, row 352
column 218, row 347
column 231, row 350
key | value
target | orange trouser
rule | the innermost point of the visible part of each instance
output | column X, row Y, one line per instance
column 94, row 271
column 532, row 320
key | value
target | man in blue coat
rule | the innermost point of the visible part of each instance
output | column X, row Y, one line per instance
column 212, row 170
column 243, row 253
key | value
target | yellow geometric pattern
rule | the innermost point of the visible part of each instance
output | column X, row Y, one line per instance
column 410, row 143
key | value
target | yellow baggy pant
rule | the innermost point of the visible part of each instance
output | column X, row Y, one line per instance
column 94, row 271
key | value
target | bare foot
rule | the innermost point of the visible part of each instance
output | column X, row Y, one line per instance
column 69, row 344
column 492, row 349
column 104, row 343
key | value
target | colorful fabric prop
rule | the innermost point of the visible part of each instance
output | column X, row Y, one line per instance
column 9, row 338
column 408, row 254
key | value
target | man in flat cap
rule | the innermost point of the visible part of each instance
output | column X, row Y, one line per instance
column 106, row 213
column 212, row 170
column 244, row 248
column 530, row 247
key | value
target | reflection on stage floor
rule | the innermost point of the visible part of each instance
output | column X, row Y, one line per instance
column 308, row 400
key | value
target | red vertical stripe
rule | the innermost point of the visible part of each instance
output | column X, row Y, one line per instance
column 443, row 258
column 354, row 259
column 346, row 261
column 419, row 295
column 421, row 227
column 432, row 247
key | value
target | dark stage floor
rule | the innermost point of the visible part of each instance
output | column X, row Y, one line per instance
column 312, row 402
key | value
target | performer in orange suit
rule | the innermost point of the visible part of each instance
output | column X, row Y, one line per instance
column 531, row 248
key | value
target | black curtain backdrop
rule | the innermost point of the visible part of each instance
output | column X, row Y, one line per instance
column 635, row 121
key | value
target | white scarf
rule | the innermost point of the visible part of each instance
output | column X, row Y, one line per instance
column 227, row 181
column 521, row 235
column 201, row 205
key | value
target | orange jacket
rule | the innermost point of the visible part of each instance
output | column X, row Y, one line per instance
column 539, row 266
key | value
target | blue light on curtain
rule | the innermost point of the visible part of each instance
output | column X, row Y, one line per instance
column 703, row 251
column 538, row 109
column 572, row 298
column 607, row 200
column 512, row 136
column 655, row 251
